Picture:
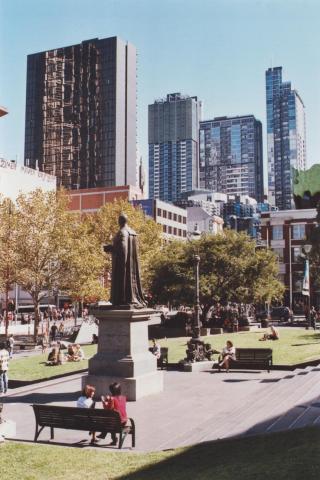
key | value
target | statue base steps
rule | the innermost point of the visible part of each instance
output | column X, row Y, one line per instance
column 197, row 366
column 133, row 388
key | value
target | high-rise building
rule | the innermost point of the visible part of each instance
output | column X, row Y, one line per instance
column 81, row 113
column 173, row 146
column 231, row 159
column 286, row 137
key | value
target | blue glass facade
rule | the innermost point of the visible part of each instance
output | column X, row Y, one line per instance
column 286, row 137
column 231, row 159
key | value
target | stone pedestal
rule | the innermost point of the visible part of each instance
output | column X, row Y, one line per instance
column 123, row 354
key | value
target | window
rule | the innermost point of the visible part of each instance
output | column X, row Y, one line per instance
column 296, row 254
column 169, row 229
column 175, row 217
column 159, row 212
column 298, row 231
column 169, row 215
column 279, row 253
column 277, row 232
column 164, row 228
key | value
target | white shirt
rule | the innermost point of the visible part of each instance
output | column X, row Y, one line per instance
column 229, row 351
column 84, row 402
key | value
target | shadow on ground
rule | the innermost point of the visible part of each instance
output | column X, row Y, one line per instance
column 35, row 397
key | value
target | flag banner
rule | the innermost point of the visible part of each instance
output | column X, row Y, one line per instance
column 306, row 279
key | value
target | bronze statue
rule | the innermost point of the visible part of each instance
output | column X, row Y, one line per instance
column 126, row 291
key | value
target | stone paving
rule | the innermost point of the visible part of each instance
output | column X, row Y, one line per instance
column 188, row 411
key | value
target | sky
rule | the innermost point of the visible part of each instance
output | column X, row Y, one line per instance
column 217, row 50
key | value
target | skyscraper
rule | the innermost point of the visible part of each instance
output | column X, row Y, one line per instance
column 286, row 137
column 81, row 113
column 231, row 159
column 173, row 146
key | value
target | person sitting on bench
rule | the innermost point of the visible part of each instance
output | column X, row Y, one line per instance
column 116, row 402
column 228, row 354
column 86, row 401
column 156, row 349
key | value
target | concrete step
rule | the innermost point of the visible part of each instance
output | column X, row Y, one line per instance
column 285, row 421
column 267, row 409
column 308, row 418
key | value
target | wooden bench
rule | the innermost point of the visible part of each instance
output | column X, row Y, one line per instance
column 84, row 419
column 253, row 358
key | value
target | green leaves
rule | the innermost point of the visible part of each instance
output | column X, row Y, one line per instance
column 231, row 269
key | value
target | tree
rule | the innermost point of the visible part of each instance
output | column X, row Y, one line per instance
column 44, row 236
column 231, row 269
column 8, row 270
column 105, row 225
column 86, row 265
column 315, row 252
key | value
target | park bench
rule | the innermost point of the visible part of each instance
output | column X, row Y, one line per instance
column 163, row 359
column 84, row 419
column 253, row 358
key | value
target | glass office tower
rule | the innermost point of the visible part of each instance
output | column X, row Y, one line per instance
column 81, row 113
column 173, row 146
column 231, row 159
column 286, row 137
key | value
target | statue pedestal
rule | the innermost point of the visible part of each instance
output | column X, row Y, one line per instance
column 123, row 354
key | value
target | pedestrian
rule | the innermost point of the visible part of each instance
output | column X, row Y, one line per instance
column 10, row 345
column 61, row 329
column 4, row 365
column 313, row 318
column 53, row 331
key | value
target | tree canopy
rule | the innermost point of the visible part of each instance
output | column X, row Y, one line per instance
column 232, row 269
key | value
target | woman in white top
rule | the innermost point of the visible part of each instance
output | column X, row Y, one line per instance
column 227, row 354
column 86, row 401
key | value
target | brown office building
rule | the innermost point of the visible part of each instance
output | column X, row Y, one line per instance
column 81, row 114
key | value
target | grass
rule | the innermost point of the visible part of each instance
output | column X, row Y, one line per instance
column 34, row 367
column 287, row 455
column 295, row 345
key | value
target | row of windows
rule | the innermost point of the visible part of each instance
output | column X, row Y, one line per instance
column 171, row 216
column 174, row 231
column 298, row 232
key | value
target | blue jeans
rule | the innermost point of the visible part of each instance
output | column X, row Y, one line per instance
column 3, row 381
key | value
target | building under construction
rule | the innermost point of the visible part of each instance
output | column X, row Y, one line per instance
column 81, row 114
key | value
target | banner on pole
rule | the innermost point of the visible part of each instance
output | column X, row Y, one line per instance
column 306, row 279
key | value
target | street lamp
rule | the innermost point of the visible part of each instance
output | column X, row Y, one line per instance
column 193, row 236
column 306, row 281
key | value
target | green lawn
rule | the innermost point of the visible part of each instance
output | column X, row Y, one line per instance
column 293, row 455
column 34, row 367
column 296, row 345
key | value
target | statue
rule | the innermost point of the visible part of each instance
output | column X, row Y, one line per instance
column 126, row 291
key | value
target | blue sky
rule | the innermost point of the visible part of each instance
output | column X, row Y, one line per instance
column 215, row 49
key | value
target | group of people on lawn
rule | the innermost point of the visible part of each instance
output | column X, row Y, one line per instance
column 115, row 401
column 74, row 353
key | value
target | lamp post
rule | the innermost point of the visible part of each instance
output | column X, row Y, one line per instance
column 306, row 290
column 195, row 235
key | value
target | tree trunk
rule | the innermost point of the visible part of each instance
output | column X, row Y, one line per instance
column 36, row 318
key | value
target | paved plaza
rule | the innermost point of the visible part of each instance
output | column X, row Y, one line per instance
column 194, row 407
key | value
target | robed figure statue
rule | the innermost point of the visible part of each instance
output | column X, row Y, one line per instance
column 126, row 288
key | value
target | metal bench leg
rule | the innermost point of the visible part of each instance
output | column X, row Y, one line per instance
column 51, row 433
column 37, row 432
